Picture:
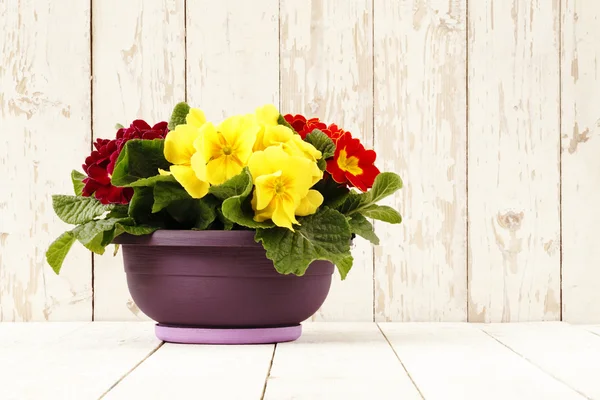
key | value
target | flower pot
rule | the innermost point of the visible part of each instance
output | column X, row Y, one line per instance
column 219, row 287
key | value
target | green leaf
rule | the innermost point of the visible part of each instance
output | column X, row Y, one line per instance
column 138, row 230
column 345, row 265
column 333, row 193
column 167, row 193
column 78, row 210
column 382, row 213
column 281, row 121
column 361, row 226
column 95, row 245
column 116, row 249
column 233, row 187
column 237, row 209
column 385, row 184
column 321, row 236
column 321, row 142
column 153, row 180
column 140, row 206
column 227, row 224
column 77, row 178
column 139, row 159
column 178, row 115
column 56, row 253
column 190, row 213
column 87, row 232
column 119, row 126
column 119, row 211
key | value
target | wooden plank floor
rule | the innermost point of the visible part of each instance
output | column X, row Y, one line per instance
column 113, row 360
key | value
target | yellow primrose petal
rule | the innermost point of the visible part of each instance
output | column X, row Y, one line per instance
column 199, row 166
column 162, row 172
column 209, row 142
column 267, row 161
column 195, row 117
column 304, row 149
column 266, row 189
column 309, row 204
column 222, row 169
column 186, row 176
column 244, row 142
column 179, row 144
column 277, row 134
column 284, row 212
column 298, row 174
column 267, row 114
column 264, row 214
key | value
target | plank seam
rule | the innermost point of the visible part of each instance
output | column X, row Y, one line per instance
column 185, row 52
column 279, row 95
column 399, row 360
column 467, row 152
column 373, row 132
column 92, row 135
column 264, row 391
column 560, row 188
column 535, row 365
column 114, row 385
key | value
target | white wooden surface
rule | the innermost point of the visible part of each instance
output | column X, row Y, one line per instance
column 580, row 90
column 327, row 72
column 139, row 72
column 513, row 206
column 396, row 73
column 420, row 132
column 330, row 361
column 44, row 104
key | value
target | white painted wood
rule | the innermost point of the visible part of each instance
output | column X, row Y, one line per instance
column 139, row 72
column 594, row 329
column 459, row 361
column 420, row 133
column 569, row 354
column 326, row 72
column 82, row 365
column 203, row 372
column 580, row 162
column 232, row 56
column 335, row 361
column 513, row 204
column 39, row 334
column 44, row 134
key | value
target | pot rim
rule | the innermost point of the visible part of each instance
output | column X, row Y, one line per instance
column 190, row 238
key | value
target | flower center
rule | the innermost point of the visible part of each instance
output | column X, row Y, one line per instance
column 227, row 150
column 349, row 164
column 279, row 187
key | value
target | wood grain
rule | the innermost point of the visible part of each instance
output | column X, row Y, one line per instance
column 232, row 53
column 513, row 192
column 44, row 134
column 420, row 133
column 459, row 361
column 326, row 72
column 580, row 90
column 139, row 72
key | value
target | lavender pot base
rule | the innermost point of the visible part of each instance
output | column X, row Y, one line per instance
column 191, row 335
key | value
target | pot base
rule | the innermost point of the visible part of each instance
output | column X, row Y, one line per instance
column 191, row 335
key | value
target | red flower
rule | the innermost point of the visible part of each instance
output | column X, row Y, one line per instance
column 352, row 163
column 304, row 126
column 101, row 163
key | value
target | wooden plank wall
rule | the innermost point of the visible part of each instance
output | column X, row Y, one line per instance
column 488, row 110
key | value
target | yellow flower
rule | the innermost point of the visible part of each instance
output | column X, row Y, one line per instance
column 282, row 186
column 179, row 150
column 292, row 143
column 266, row 116
column 225, row 149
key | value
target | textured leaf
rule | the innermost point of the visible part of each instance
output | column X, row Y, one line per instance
column 95, row 245
column 78, row 210
column 382, row 213
column 281, row 121
column 191, row 213
column 87, row 232
column 237, row 208
column 180, row 111
column 227, row 224
column 233, row 187
column 333, row 193
column 140, row 206
column 139, row 159
column 77, row 178
column 345, row 265
column 138, row 230
column 385, row 184
column 362, row 227
column 321, row 142
column 167, row 193
column 153, row 180
column 119, row 211
column 56, row 253
column 322, row 236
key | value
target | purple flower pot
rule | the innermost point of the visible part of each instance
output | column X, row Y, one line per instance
column 219, row 287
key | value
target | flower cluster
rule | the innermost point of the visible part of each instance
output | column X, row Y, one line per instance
column 100, row 165
column 352, row 163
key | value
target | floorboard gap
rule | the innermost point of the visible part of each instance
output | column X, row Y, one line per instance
column 262, row 396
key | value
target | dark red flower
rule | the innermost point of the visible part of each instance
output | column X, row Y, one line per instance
column 101, row 163
column 353, row 163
